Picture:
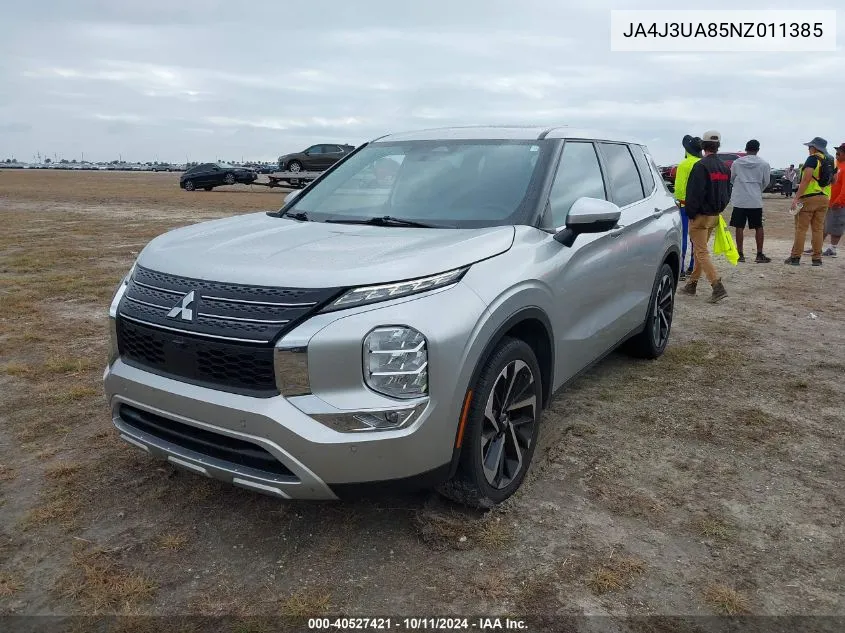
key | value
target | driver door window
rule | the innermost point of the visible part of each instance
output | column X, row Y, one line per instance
column 578, row 175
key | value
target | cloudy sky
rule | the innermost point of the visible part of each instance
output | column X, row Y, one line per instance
column 200, row 80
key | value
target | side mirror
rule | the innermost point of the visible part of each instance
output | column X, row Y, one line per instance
column 292, row 195
column 588, row 215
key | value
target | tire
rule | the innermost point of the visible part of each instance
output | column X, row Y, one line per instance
column 208, row 188
column 512, row 365
column 189, row 185
column 294, row 165
column 652, row 341
column 229, row 179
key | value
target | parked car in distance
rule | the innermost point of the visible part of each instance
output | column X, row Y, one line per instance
column 405, row 319
column 775, row 181
column 161, row 167
column 729, row 157
column 315, row 158
column 209, row 175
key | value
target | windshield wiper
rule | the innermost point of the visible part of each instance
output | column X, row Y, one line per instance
column 384, row 220
column 302, row 216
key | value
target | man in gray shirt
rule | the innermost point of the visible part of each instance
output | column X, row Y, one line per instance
column 749, row 176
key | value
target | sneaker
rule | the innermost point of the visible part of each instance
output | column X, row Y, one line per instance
column 762, row 259
column 683, row 276
column 829, row 252
column 719, row 292
column 817, row 262
column 741, row 257
column 689, row 288
column 794, row 261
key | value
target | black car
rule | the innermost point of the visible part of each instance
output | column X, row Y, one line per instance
column 209, row 175
column 315, row 158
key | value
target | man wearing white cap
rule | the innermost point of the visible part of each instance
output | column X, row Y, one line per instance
column 707, row 196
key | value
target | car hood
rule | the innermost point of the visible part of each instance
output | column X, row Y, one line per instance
column 263, row 250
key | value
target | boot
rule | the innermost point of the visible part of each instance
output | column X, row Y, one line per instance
column 689, row 288
column 719, row 292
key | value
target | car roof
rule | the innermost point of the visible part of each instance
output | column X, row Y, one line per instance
column 507, row 132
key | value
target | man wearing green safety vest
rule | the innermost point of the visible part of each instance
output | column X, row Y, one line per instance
column 814, row 196
column 692, row 147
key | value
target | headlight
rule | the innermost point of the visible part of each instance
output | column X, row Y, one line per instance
column 396, row 362
column 372, row 294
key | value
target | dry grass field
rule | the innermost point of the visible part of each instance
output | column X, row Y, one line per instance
column 711, row 481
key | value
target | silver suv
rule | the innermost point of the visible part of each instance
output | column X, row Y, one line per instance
column 404, row 319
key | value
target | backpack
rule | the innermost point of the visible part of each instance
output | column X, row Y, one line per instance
column 826, row 171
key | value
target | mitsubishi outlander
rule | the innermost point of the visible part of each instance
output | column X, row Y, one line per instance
column 404, row 319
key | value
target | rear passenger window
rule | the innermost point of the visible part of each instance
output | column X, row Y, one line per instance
column 578, row 175
column 623, row 174
column 645, row 170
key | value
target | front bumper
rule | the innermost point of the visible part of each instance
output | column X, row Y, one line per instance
column 319, row 460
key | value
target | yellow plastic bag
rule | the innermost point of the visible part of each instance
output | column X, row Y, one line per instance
column 723, row 243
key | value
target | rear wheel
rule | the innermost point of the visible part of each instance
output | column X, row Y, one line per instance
column 208, row 188
column 652, row 341
column 501, row 428
column 189, row 185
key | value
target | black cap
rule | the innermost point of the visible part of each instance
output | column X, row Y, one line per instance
column 692, row 144
column 752, row 146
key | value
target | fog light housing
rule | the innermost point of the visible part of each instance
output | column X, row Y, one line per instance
column 363, row 421
column 396, row 362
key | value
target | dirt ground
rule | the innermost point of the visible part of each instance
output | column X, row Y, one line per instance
column 711, row 481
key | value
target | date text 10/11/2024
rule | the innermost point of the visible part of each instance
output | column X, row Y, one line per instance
column 417, row 624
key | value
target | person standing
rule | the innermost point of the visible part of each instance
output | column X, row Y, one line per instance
column 814, row 196
column 787, row 179
column 834, row 223
column 692, row 154
column 750, row 176
column 706, row 197
column 796, row 177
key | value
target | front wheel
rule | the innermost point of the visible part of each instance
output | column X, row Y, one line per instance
column 295, row 166
column 189, row 185
column 501, row 427
column 229, row 179
column 652, row 341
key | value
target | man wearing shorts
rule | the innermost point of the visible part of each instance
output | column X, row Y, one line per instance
column 749, row 176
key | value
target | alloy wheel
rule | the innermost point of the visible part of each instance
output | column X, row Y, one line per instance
column 508, row 426
column 664, row 304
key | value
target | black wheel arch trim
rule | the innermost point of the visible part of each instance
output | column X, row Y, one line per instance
column 523, row 314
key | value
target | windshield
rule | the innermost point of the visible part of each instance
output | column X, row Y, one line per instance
column 452, row 184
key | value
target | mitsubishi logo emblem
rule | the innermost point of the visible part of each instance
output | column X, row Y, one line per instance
column 183, row 310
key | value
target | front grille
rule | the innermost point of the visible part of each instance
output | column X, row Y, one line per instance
column 223, row 339
column 214, row 445
column 236, row 367
column 220, row 310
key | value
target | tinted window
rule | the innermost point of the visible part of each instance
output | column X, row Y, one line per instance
column 578, row 175
column 645, row 170
column 623, row 174
column 316, row 149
